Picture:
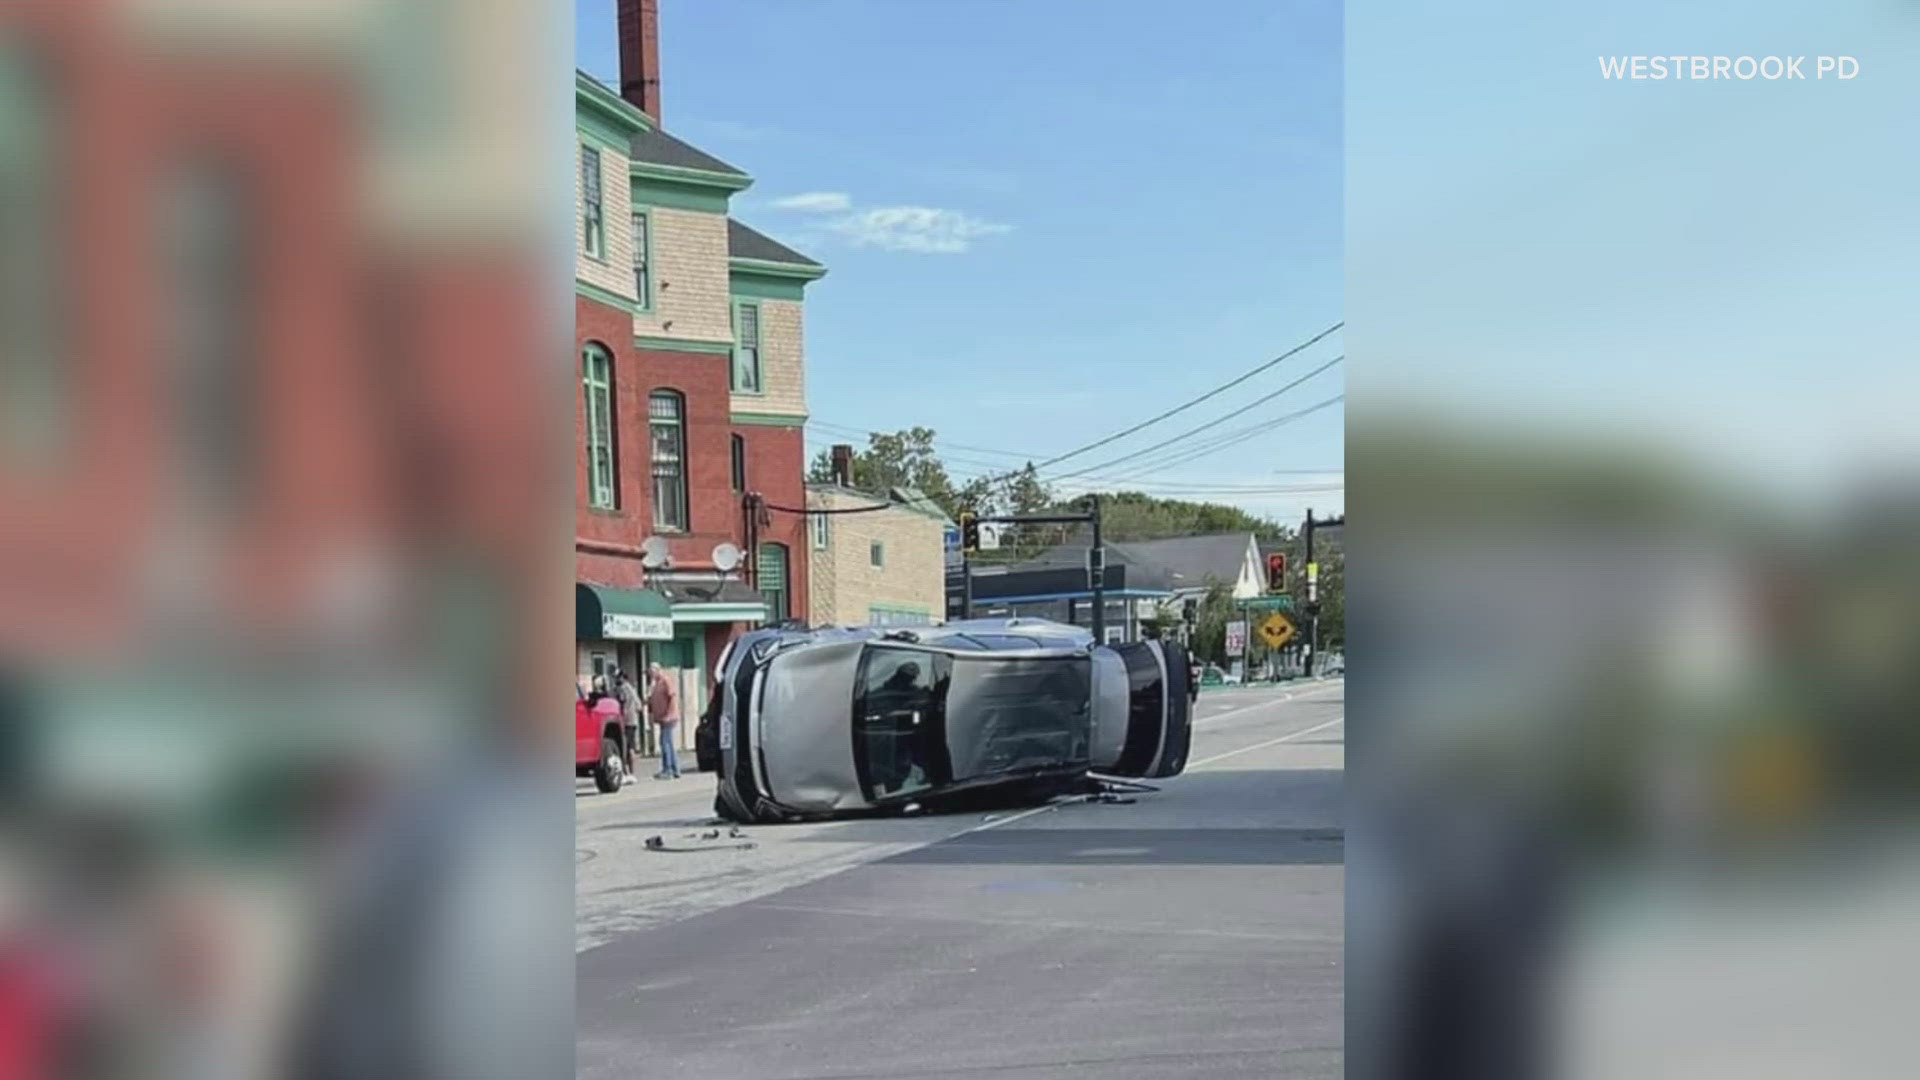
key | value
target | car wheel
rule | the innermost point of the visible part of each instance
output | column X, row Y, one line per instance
column 612, row 771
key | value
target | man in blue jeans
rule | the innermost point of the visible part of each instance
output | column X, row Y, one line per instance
column 663, row 705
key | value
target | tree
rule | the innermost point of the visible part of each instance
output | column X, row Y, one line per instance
column 1210, row 624
column 900, row 459
column 1133, row 515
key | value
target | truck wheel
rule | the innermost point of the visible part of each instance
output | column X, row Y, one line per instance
column 612, row 770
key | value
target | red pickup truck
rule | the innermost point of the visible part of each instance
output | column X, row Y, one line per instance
column 599, row 743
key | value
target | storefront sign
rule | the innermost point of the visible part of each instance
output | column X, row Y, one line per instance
column 636, row 627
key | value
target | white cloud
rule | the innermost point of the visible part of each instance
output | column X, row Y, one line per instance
column 917, row 229
column 816, row 202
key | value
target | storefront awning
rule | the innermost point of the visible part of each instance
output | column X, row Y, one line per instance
column 716, row 602
column 606, row 614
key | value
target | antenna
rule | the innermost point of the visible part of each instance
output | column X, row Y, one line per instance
column 726, row 557
column 653, row 553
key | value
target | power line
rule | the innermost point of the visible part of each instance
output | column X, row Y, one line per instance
column 1231, row 439
column 865, row 433
column 1209, row 424
column 1221, row 442
column 1215, row 392
column 1176, row 410
column 1175, row 486
column 846, row 510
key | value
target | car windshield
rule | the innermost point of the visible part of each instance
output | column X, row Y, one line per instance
column 900, row 697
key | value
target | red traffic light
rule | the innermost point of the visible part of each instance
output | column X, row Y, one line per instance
column 1276, row 572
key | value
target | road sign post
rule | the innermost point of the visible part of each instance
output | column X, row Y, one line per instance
column 1237, row 638
column 1276, row 630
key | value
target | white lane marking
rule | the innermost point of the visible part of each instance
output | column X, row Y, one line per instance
column 1270, row 742
column 1184, row 930
column 1288, row 696
column 997, row 822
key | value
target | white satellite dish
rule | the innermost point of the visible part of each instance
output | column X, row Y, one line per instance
column 726, row 557
column 653, row 553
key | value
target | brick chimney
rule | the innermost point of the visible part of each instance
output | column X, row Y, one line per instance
column 843, row 465
column 640, row 55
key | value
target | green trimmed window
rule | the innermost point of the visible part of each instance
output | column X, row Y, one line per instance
column 596, row 379
column 667, row 424
column 773, row 582
column 593, row 225
column 35, row 378
column 746, row 349
column 642, row 255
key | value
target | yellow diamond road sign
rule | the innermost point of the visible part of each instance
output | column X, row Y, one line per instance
column 1276, row 630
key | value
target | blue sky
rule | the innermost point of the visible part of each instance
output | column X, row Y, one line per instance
column 1723, row 269
column 1044, row 221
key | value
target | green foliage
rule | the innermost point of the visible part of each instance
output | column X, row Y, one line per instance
column 1132, row 515
column 907, row 458
column 900, row 459
column 1210, row 624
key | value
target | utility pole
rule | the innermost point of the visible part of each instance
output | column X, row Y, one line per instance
column 1313, row 587
column 966, row 586
column 1313, row 601
column 1097, row 570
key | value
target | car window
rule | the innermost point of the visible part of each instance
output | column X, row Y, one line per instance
column 899, row 704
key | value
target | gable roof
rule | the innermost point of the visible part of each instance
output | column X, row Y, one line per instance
column 1192, row 560
column 1186, row 562
column 915, row 499
column 900, row 498
column 656, row 147
column 745, row 242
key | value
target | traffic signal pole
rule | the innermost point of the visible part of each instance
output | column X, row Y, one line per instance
column 1096, row 556
column 966, row 586
column 1313, row 602
column 1097, row 571
column 1313, row 587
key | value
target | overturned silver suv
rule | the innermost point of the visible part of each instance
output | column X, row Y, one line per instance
column 814, row 723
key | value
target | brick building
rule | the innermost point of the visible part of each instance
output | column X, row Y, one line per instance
column 879, row 568
column 236, row 368
column 688, row 332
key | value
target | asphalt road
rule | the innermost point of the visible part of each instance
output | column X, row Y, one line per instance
column 1195, row 933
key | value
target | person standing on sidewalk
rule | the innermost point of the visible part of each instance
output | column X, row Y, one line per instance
column 663, row 706
column 629, row 696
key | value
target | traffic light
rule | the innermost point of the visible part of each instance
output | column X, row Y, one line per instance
column 969, row 532
column 1190, row 611
column 1276, row 572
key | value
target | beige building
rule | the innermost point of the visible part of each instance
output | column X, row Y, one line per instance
column 883, row 568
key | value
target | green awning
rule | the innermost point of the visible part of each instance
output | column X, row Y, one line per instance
column 602, row 613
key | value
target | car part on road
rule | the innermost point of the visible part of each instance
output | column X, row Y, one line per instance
column 659, row 843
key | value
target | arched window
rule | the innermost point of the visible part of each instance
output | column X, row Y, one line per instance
column 667, row 425
column 773, row 582
column 596, row 383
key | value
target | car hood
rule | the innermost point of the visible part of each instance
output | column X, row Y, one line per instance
column 805, row 727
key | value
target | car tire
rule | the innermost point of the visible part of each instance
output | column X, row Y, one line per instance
column 612, row 770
